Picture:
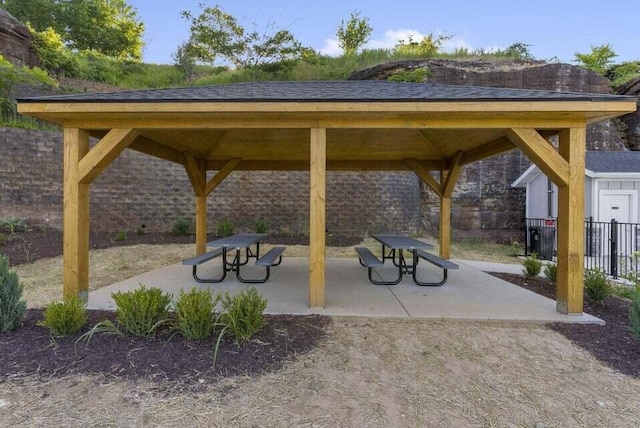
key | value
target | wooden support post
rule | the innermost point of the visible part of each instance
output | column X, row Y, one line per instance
column 448, row 181
column 197, row 172
column 76, row 217
column 201, row 224
column 570, row 282
column 317, row 178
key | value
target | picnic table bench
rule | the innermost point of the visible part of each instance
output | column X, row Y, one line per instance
column 396, row 245
column 445, row 265
column 273, row 257
column 199, row 259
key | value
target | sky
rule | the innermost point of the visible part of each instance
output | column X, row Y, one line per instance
column 554, row 29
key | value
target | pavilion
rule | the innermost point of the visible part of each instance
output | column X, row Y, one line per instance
column 430, row 129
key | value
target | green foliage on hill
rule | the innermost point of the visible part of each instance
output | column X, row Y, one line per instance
column 110, row 27
column 10, row 77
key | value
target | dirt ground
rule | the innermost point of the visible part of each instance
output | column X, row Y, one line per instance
column 362, row 372
column 374, row 373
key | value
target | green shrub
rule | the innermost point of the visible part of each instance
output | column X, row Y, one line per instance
column 551, row 272
column 596, row 286
column 65, row 318
column 634, row 313
column 514, row 249
column 261, row 225
column 120, row 236
column 194, row 313
column 242, row 314
column 141, row 230
column 181, row 227
column 532, row 266
column 12, row 307
column 13, row 225
column 140, row 312
column 226, row 227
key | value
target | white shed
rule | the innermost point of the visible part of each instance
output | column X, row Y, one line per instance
column 612, row 187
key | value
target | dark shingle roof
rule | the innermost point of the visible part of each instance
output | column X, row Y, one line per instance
column 327, row 91
column 613, row 161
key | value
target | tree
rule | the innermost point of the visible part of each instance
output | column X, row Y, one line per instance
column 11, row 76
column 215, row 33
column 54, row 55
column 110, row 27
column 428, row 46
column 598, row 59
column 354, row 34
column 184, row 60
column 39, row 13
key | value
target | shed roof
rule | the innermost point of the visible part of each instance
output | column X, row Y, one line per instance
column 600, row 162
column 597, row 163
column 327, row 91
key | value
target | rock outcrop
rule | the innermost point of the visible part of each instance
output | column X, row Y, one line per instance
column 15, row 41
column 484, row 204
column 631, row 122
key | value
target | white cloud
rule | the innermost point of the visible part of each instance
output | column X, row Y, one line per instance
column 392, row 37
column 331, row 47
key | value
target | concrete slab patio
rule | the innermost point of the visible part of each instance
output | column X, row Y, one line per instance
column 469, row 294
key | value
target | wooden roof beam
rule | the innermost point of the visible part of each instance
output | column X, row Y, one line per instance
column 455, row 169
column 103, row 153
column 196, row 172
column 492, row 148
column 542, row 153
column 153, row 148
column 424, row 175
column 221, row 175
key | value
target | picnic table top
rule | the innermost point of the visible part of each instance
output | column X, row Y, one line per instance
column 399, row 242
column 240, row 240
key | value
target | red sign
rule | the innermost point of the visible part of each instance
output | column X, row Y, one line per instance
column 550, row 222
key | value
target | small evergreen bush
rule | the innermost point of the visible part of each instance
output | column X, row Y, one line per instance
column 226, row 227
column 120, row 236
column 140, row 312
column 596, row 286
column 634, row 313
column 532, row 266
column 261, row 225
column 12, row 307
column 181, row 227
column 551, row 272
column 65, row 318
column 242, row 314
column 194, row 313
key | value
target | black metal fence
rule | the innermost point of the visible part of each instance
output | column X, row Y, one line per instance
column 611, row 246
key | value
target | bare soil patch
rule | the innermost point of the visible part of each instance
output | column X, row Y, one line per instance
column 36, row 244
column 366, row 372
column 612, row 343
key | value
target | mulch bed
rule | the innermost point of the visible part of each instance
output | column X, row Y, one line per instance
column 613, row 343
column 167, row 359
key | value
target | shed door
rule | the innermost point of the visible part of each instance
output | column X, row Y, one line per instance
column 618, row 205
column 615, row 206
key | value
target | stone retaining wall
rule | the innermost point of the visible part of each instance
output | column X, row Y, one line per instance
column 138, row 189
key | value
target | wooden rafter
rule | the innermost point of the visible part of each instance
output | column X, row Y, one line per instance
column 424, row 175
column 101, row 156
column 196, row 172
column 220, row 175
column 542, row 153
column 153, row 148
column 455, row 168
column 489, row 149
